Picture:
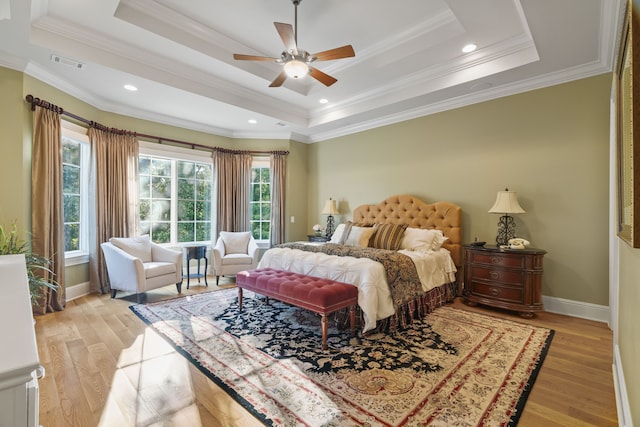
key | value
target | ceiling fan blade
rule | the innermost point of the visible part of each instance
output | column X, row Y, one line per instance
column 337, row 53
column 242, row 57
column 287, row 35
column 279, row 80
column 323, row 78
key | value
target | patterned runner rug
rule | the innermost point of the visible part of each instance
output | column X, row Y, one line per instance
column 454, row 368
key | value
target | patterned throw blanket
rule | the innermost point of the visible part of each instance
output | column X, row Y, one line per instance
column 402, row 276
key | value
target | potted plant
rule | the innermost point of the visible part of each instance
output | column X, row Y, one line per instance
column 317, row 229
column 10, row 244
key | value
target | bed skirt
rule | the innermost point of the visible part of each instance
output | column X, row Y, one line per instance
column 409, row 312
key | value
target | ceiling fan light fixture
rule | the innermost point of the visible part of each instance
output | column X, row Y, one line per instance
column 296, row 69
column 295, row 61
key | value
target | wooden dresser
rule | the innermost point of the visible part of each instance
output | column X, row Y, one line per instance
column 504, row 278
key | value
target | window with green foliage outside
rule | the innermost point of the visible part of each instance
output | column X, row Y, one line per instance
column 71, row 192
column 175, row 199
column 261, row 200
column 76, row 152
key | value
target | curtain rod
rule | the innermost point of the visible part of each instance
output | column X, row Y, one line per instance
column 46, row 104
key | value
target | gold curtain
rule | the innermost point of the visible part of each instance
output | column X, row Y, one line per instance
column 278, row 165
column 233, row 181
column 47, row 224
column 114, row 160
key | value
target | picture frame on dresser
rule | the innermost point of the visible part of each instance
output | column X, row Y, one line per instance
column 628, row 131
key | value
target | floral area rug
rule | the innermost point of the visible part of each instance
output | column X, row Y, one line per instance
column 455, row 368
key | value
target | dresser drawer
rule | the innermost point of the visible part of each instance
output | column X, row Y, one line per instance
column 498, row 259
column 504, row 278
column 498, row 293
column 515, row 277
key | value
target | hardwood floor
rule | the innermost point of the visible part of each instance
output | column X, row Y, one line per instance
column 104, row 367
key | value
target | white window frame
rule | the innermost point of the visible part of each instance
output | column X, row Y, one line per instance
column 169, row 152
column 262, row 162
column 79, row 133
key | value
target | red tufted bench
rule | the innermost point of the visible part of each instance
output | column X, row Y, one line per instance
column 322, row 296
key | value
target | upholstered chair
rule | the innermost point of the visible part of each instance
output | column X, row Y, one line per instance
column 136, row 264
column 234, row 252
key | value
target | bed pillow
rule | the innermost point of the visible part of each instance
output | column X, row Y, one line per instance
column 388, row 236
column 415, row 238
column 235, row 242
column 438, row 240
column 359, row 236
column 337, row 235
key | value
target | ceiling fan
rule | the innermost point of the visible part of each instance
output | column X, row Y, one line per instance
column 296, row 62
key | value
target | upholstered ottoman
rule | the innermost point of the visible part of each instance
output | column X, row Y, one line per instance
column 322, row 296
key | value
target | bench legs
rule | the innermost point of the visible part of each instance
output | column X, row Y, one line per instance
column 324, row 321
column 325, row 325
column 325, row 328
column 352, row 318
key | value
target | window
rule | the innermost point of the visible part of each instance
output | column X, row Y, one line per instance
column 175, row 196
column 261, row 199
column 75, row 168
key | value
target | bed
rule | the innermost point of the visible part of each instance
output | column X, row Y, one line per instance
column 397, row 282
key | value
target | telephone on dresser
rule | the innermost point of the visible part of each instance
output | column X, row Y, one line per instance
column 518, row 243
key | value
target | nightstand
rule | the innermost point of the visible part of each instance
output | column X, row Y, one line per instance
column 504, row 278
column 320, row 239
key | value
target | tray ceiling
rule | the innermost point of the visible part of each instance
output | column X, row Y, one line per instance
column 409, row 60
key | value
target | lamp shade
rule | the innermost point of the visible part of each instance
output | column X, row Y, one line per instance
column 330, row 208
column 506, row 203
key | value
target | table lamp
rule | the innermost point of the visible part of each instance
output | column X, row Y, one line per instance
column 506, row 203
column 331, row 209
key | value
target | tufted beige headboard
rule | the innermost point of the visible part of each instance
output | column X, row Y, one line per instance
column 405, row 209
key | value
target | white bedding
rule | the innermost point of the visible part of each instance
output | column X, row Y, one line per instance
column 434, row 268
column 374, row 297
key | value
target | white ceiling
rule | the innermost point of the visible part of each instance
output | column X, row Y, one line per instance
column 408, row 59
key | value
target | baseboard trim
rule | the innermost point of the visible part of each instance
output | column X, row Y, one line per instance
column 77, row 291
column 622, row 399
column 584, row 310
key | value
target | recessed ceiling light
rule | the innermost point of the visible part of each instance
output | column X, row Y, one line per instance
column 469, row 48
column 323, row 101
column 131, row 88
column 253, row 121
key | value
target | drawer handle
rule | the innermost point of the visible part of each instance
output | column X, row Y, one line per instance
column 496, row 260
column 494, row 275
column 494, row 292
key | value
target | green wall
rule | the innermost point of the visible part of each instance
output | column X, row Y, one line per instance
column 15, row 162
column 549, row 145
column 628, row 322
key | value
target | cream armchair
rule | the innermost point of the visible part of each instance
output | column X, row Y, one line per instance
column 136, row 264
column 234, row 252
